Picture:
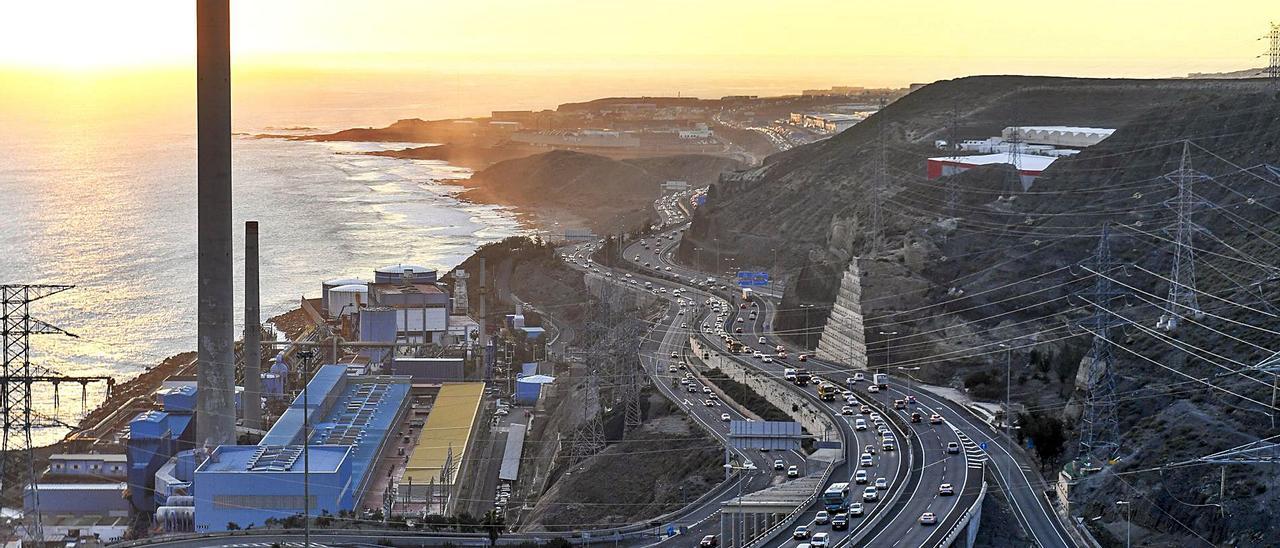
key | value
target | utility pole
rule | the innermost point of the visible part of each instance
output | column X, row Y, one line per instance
column 887, row 356
column 305, row 356
column 1182, row 299
column 1128, row 520
column 952, row 186
column 1008, row 375
column 216, row 369
column 1273, row 55
column 16, row 328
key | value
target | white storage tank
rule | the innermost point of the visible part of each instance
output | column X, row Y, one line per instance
column 410, row 273
column 328, row 286
column 347, row 299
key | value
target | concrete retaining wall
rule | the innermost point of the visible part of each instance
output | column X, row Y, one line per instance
column 775, row 391
column 842, row 339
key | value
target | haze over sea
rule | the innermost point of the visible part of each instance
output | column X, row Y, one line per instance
column 97, row 189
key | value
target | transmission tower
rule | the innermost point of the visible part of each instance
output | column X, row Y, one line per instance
column 588, row 439
column 875, row 221
column 1100, row 431
column 17, row 463
column 1273, row 55
column 1182, row 299
column 632, row 417
column 952, row 185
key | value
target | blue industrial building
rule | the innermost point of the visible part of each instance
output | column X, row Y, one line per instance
column 351, row 417
column 156, row 436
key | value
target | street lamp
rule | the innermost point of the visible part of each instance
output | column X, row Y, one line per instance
column 886, row 345
column 1128, row 520
column 806, row 308
column 748, row 467
column 908, row 370
column 1008, row 363
column 305, row 356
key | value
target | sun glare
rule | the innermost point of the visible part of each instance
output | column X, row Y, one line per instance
column 80, row 35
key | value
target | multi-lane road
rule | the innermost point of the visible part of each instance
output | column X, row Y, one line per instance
column 964, row 471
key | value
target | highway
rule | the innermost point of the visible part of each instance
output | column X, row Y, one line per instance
column 932, row 465
column 1012, row 469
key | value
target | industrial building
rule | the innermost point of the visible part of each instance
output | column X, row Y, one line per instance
column 82, row 494
column 351, row 418
column 437, row 460
column 1029, row 166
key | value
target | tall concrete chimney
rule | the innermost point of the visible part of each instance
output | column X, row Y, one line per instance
column 484, row 312
column 252, row 330
column 216, row 368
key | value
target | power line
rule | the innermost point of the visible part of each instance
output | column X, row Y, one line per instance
column 1100, row 434
column 1182, row 300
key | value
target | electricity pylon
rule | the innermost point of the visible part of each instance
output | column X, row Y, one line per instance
column 1100, row 431
column 16, row 327
column 1182, row 300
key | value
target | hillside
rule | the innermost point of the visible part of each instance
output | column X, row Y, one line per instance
column 1000, row 266
column 604, row 194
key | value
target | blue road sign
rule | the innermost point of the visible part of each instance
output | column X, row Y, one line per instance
column 753, row 279
column 671, row 531
column 983, row 446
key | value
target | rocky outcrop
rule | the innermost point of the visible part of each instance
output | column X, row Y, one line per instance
column 843, row 340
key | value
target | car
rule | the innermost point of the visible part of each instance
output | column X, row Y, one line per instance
column 668, row 269
column 672, row 369
column 935, row 419
column 819, row 540
column 709, row 541
column 873, row 388
column 793, row 471
column 767, row 359
column 864, row 409
column 858, row 424
column 846, row 410
column 869, row 449
column 840, row 522
column 915, row 417
column 693, row 390
column 899, row 404
column 738, row 330
column 778, row 464
column 882, row 483
column 501, row 412
column 849, row 381
column 740, row 320
column 822, row 518
column 858, row 377
column 761, row 340
column 866, row 460
column 953, row 447
column 709, row 403
column 742, row 306
column 860, row 477
column 801, row 533
column 946, row 490
column 855, row 509
column 725, row 417
column 850, row 399
column 637, row 259
column 870, row 495
column 928, row 518
column 685, row 382
column 804, row 357
column 675, row 355
column 706, row 390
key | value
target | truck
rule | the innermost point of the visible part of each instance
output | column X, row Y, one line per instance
column 828, row 392
column 881, row 380
column 748, row 294
column 736, row 346
column 648, row 285
column 802, row 377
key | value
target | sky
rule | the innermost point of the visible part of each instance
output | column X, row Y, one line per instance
column 673, row 46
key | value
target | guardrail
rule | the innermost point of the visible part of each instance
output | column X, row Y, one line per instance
column 790, row 519
column 959, row 525
column 905, row 431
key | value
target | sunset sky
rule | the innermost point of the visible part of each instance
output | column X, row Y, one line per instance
column 877, row 43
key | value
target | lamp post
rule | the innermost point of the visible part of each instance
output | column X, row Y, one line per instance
column 1128, row 520
column 909, row 370
column 806, row 308
column 886, row 346
column 748, row 467
column 1008, row 374
column 305, row 356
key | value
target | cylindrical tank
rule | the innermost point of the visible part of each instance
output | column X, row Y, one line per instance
column 177, row 519
column 329, row 285
column 347, row 299
column 398, row 273
column 180, row 500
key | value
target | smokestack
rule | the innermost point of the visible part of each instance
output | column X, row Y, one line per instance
column 215, row 377
column 252, row 330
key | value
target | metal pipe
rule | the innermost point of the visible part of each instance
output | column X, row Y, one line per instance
column 215, row 377
column 252, row 330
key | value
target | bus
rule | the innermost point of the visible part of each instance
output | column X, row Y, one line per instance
column 836, row 497
column 827, row 392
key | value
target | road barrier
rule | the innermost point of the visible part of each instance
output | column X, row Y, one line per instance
column 959, row 525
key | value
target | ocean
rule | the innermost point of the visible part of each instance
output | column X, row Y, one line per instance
column 116, row 217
